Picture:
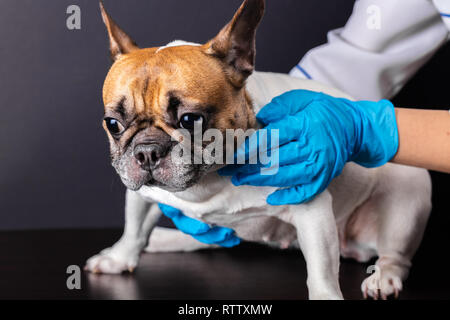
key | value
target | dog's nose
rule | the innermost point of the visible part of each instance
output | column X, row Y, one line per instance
column 148, row 155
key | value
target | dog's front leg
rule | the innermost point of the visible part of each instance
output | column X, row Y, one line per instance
column 140, row 219
column 318, row 239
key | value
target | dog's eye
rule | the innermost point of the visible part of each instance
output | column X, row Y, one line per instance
column 189, row 120
column 114, row 126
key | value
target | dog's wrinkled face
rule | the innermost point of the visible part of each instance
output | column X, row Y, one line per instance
column 149, row 94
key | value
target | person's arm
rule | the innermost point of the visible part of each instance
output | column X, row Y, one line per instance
column 424, row 139
column 383, row 45
column 443, row 6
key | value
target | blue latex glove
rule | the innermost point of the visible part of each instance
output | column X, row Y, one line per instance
column 201, row 231
column 318, row 135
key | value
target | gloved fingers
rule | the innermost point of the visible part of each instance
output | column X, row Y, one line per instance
column 286, row 104
column 169, row 211
column 230, row 169
column 254, row 145
column 294, row 195
column 214, row 235
column 230, row 242
column 182, row 222
column 295, row 152
column 189, row 225
column 291, row 153
column 285, row 176
column 245, row 169
column 199, row 230
column 274, row 135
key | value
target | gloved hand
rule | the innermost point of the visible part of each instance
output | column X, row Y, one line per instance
column 318, row 135
column 201, row 231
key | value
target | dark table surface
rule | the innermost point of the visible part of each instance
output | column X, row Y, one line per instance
column 33, row 265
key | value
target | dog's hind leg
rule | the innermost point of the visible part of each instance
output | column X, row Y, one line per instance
column 403, row 204
column 173, row 240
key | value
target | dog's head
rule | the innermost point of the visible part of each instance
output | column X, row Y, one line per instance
column 150, row 94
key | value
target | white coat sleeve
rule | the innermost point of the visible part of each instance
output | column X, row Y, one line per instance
column 383, row 44
column 443, row 7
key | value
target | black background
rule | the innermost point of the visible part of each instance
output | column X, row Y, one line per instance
column 54, row 162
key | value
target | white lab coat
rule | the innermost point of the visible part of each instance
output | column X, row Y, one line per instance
column 383, row 44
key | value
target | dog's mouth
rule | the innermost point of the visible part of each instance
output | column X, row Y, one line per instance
column 173, row 180
column 151, row 182
column 173, row 172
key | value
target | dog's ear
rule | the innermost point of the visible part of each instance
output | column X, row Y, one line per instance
column 235, row 43
column 119, row 42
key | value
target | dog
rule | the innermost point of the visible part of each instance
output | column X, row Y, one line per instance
column 150, row 93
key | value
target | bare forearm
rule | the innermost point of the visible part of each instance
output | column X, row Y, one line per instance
column 424, row 139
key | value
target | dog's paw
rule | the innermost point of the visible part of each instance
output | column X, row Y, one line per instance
column 381, row 284
column 110, row 262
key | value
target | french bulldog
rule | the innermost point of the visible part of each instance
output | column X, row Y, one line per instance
column 151, row 93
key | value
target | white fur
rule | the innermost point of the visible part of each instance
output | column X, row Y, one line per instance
column 177, row 43
column 393, row 202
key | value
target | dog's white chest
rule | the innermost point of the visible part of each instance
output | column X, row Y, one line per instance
column 214, row 200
